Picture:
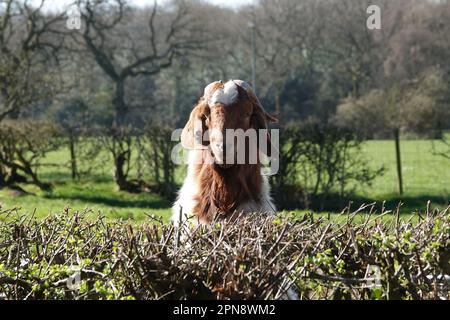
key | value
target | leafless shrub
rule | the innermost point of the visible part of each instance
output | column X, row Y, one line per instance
column 318, row 161
column 254, row 257
column 155, row 147
column 23, row 144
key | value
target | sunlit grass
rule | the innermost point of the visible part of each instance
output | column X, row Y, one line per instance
column 97, row 196
column 426, row 177
column 424, row 172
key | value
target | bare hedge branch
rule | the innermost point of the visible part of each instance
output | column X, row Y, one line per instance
column 252, row 258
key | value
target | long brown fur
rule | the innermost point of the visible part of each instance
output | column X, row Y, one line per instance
column 223, row 190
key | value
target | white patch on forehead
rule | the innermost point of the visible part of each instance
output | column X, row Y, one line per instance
column 226, row 95
column 208, row 89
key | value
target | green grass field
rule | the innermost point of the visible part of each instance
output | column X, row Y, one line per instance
column 426, row 177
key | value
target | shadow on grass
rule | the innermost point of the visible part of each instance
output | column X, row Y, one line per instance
column 153, row 202
column 335, row 203
column 410, row 204
column 291, row 199
column 62, row 178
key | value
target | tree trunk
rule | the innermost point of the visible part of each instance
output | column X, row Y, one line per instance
column 121, row 156
column 278, row 106
column 28, row 170
column 2, row 177
column 120, row 176
column 355, row 89
column 73, row 157
column 156, row 164
column 398, row 159
column 120, row 106
column 13, row 177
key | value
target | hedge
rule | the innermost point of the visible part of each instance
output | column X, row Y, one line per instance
column 362, row 255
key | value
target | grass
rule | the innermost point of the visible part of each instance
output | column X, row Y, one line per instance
column 98, row 193
column 98, row 196
column 423, row 172
column 426, row 177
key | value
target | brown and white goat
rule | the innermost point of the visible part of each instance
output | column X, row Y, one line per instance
column 216, row 187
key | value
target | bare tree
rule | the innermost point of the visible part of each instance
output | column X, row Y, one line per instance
column 282, row 30
column 113, row 34
column 278, row 39
column 28, row 42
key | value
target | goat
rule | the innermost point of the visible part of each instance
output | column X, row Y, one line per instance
column 216, row 186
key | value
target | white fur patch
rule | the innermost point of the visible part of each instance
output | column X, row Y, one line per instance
column 226, row 95
column 244, row 85
column 184, row 206
column 207, row 93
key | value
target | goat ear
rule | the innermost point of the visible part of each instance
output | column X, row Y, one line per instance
column 260, row 118
column 192, row 135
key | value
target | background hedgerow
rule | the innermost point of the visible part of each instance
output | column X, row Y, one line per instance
column 67, row 256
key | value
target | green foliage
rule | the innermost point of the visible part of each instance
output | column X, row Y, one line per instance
column 421, row 107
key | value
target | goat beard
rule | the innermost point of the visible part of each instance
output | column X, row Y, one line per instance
column 222, row 191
